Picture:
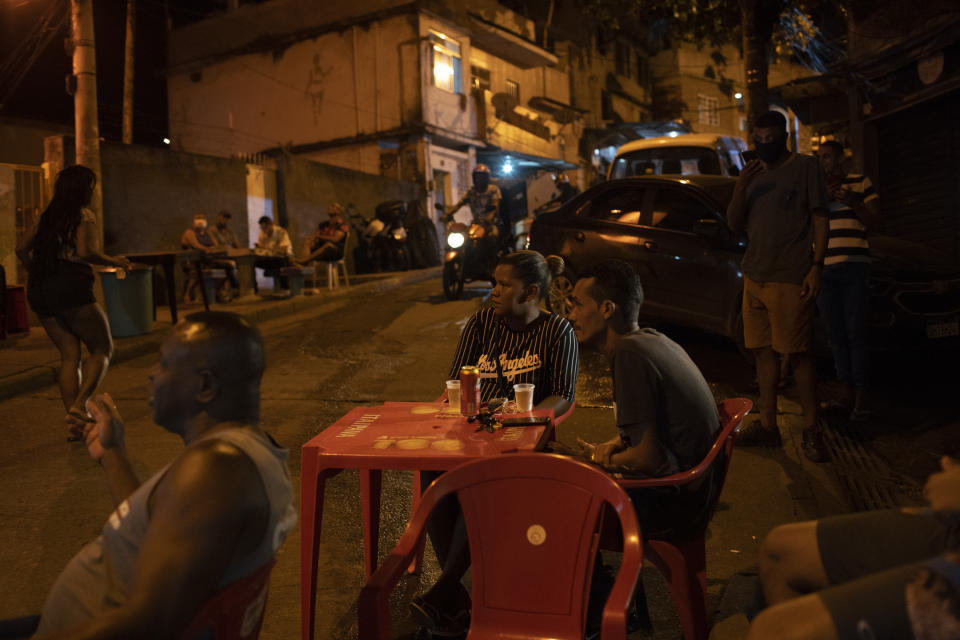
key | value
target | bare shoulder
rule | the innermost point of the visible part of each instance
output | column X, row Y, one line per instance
column 87, row 216
column 214, row 470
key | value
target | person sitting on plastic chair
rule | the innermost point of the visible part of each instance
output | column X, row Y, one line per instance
column 331, row 237
column 666, row 415
column 217, row 513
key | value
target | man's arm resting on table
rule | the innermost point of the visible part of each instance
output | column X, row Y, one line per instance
column 209, row 505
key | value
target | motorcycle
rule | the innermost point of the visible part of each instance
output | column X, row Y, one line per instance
column 521, row 228
column 468, row 256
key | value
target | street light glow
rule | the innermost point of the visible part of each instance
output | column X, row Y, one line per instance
column 507, row 168
column 738, row 95
column 166, row 141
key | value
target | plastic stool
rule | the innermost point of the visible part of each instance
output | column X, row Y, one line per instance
column 17, row 319
column 333, row 278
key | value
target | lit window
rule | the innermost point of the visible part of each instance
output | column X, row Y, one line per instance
column 708, row 108
column 445, row 61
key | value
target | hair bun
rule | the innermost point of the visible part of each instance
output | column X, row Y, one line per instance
column 555, row 264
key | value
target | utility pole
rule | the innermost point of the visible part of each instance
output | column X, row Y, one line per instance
column 128, row 72
column 87, row 129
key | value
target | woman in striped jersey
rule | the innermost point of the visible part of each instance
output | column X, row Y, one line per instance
column 512, row 341
column 515, row 341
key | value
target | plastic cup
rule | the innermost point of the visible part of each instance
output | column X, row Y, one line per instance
column 453, row 394
column 524, row 396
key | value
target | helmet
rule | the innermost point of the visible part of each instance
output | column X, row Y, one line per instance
column 481, row 168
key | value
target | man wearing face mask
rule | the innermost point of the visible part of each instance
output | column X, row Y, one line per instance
column 780, row 201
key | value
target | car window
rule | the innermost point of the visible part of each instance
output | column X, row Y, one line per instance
column 616, row 205
column 661, row 160
column 673, row 209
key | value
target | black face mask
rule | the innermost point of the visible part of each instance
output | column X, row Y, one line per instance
column 771, row 151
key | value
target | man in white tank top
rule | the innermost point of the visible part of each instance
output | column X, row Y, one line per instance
column 215, row 514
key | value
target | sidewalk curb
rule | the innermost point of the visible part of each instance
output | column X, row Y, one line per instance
column 126, row 349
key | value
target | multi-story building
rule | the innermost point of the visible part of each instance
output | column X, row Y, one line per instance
column 704, row 88
column 419, row 91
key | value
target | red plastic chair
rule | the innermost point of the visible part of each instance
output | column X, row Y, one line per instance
column 236, row 611
column 683, row 562
column 532, row 523
column 417, row 564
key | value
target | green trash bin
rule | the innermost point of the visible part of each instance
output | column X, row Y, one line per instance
column 129, row 300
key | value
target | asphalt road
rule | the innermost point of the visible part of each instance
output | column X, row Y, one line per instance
column 321, row 363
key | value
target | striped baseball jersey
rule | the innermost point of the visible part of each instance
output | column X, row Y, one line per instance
column 848, row 235
column 545, row 352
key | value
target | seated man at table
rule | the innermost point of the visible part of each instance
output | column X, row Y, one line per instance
column 197, row 238
column 221, row 232
column 513, row 341
column 666, row 415
column 216, row 513
column 273, row 239
column 330, row 239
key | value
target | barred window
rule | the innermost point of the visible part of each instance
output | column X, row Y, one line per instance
column 708, row 109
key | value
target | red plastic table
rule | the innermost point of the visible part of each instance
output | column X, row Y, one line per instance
column 395, row 435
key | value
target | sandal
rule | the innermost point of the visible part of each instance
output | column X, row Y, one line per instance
column 75, row 419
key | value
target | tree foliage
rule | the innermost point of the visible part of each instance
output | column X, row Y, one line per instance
column 715, row 23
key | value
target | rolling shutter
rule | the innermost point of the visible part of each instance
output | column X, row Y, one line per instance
column 919, row 182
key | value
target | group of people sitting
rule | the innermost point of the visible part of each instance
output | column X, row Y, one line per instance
column 886, row 574
column 223, row 506
column 273, row 246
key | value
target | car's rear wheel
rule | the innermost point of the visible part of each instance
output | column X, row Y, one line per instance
column 558, row 298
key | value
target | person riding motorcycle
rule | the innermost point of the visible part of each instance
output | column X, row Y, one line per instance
column 483, row 199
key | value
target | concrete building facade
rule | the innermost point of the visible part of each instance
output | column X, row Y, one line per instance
column 408, row 90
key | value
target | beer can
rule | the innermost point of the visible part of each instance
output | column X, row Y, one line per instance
column 469, row 391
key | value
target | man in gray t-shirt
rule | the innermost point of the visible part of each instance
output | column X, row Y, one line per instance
column 666, row 415
column 781, row 202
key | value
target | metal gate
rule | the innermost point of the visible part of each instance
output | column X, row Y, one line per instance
column 29, row 200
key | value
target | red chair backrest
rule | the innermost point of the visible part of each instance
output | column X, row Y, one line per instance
column 236, row 611
column 532, row 523
column 732, row 413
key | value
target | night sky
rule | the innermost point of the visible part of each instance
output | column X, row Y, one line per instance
column 41, row 94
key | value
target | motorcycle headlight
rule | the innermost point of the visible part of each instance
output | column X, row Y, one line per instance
column 455, row 240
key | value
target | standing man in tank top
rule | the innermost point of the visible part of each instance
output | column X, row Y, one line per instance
column 215, row 514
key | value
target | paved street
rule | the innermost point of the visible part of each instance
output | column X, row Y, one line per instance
column 367, row 348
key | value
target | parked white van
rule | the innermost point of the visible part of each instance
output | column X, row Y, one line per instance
column 686, row 154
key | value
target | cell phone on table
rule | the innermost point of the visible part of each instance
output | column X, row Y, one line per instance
column 526, row 421
column 748, row 155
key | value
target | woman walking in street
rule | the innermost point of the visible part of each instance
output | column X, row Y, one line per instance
column 58, row 253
